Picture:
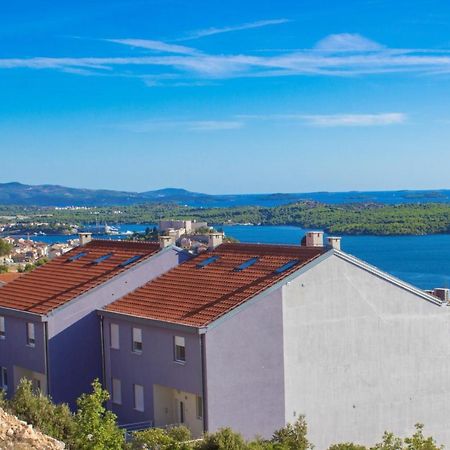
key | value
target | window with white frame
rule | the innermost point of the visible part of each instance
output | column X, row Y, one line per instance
column 180, row 349
column 114, row 336
column 3, row 378
column 31, row 339
column 199, row 403
column 138, row 397
column 137, row 340
column 116, row 391
column 2, row 328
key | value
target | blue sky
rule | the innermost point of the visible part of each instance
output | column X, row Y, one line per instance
column 226, row 97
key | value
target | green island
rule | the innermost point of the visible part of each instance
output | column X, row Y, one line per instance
column 350, row 219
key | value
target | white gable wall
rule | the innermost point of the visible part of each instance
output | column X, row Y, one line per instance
column 363, row 355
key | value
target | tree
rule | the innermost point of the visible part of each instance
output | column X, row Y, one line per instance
column 5, row 248
column 95, row 427
column 419, row 442
column 294, row 436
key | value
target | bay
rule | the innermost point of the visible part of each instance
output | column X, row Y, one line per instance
column 423, row 261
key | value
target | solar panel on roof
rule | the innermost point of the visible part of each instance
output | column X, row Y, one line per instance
column 246, row 264
column 287, row 266
column 78, row 256
column 130, row 260
column 102, row 258
column 207, row 261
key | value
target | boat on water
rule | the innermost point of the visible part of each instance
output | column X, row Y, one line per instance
column 101, row 229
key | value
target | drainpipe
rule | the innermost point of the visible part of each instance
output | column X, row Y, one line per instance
column 102, row 343
column 47, row 370
column 204, row 391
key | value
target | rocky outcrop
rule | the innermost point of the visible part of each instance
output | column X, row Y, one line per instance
column 18, row 435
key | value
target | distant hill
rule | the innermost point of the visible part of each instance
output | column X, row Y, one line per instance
column 15, row 193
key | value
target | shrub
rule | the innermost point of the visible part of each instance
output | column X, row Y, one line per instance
column 37, row 409
column 293, row 436
column 95, row 427
column 224, row 439
column 179, row 433
column 347, row 446
column 4, row 268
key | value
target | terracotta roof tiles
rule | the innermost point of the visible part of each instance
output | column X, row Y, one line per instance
column 193, row 295
column 63, row 278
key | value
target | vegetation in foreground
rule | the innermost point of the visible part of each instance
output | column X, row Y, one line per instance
column 93, row 427
column 414, row 219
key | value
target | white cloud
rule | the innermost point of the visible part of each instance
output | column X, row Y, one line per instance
column 334, row 120
column 214, row 125
column 336, row 55
column 184, row 125
column 158, row 46
column 355, row 120
column 246, row 26
column 346, row 42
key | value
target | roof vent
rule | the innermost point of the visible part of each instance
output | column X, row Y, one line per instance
column 314, row 239
column 84, row 238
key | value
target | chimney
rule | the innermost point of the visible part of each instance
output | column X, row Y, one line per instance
column 334, row 242
column 314, row 239
column 214, row 240
column 165, row 241
column 84, row 238
column 442, row 294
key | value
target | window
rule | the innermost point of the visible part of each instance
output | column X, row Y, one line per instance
column 138, row 397
column 114, row 336
column 180, row 349
column 2, row 328
column 199, row 402
column 31, row 341
column 116, row 391
column 137, row 340
column 3, row 378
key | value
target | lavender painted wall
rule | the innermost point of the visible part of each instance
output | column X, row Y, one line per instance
column 244, row 369
column 155, row 365
column 75, row 357
column 14, row 350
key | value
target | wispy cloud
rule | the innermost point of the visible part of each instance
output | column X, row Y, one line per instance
column 147, row 126
column 246, row 26
column 334, row 120
column 355, row 120
column 158, row 46
column 341, row 55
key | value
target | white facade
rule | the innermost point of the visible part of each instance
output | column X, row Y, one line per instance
column 364, row 355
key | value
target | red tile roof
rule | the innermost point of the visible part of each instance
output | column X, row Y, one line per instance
column 61, row 280
column 8, row 277
column 197, row 296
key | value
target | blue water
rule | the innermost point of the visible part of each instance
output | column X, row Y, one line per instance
column 423, row 261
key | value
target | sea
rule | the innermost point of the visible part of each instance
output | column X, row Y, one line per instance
column 423, row 261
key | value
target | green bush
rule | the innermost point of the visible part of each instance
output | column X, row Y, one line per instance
column 347, row 446
column 4, row 268
column 179, row 433
column 37, row 409
column 224, row 439
column 293, row 436
column 95, row 427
